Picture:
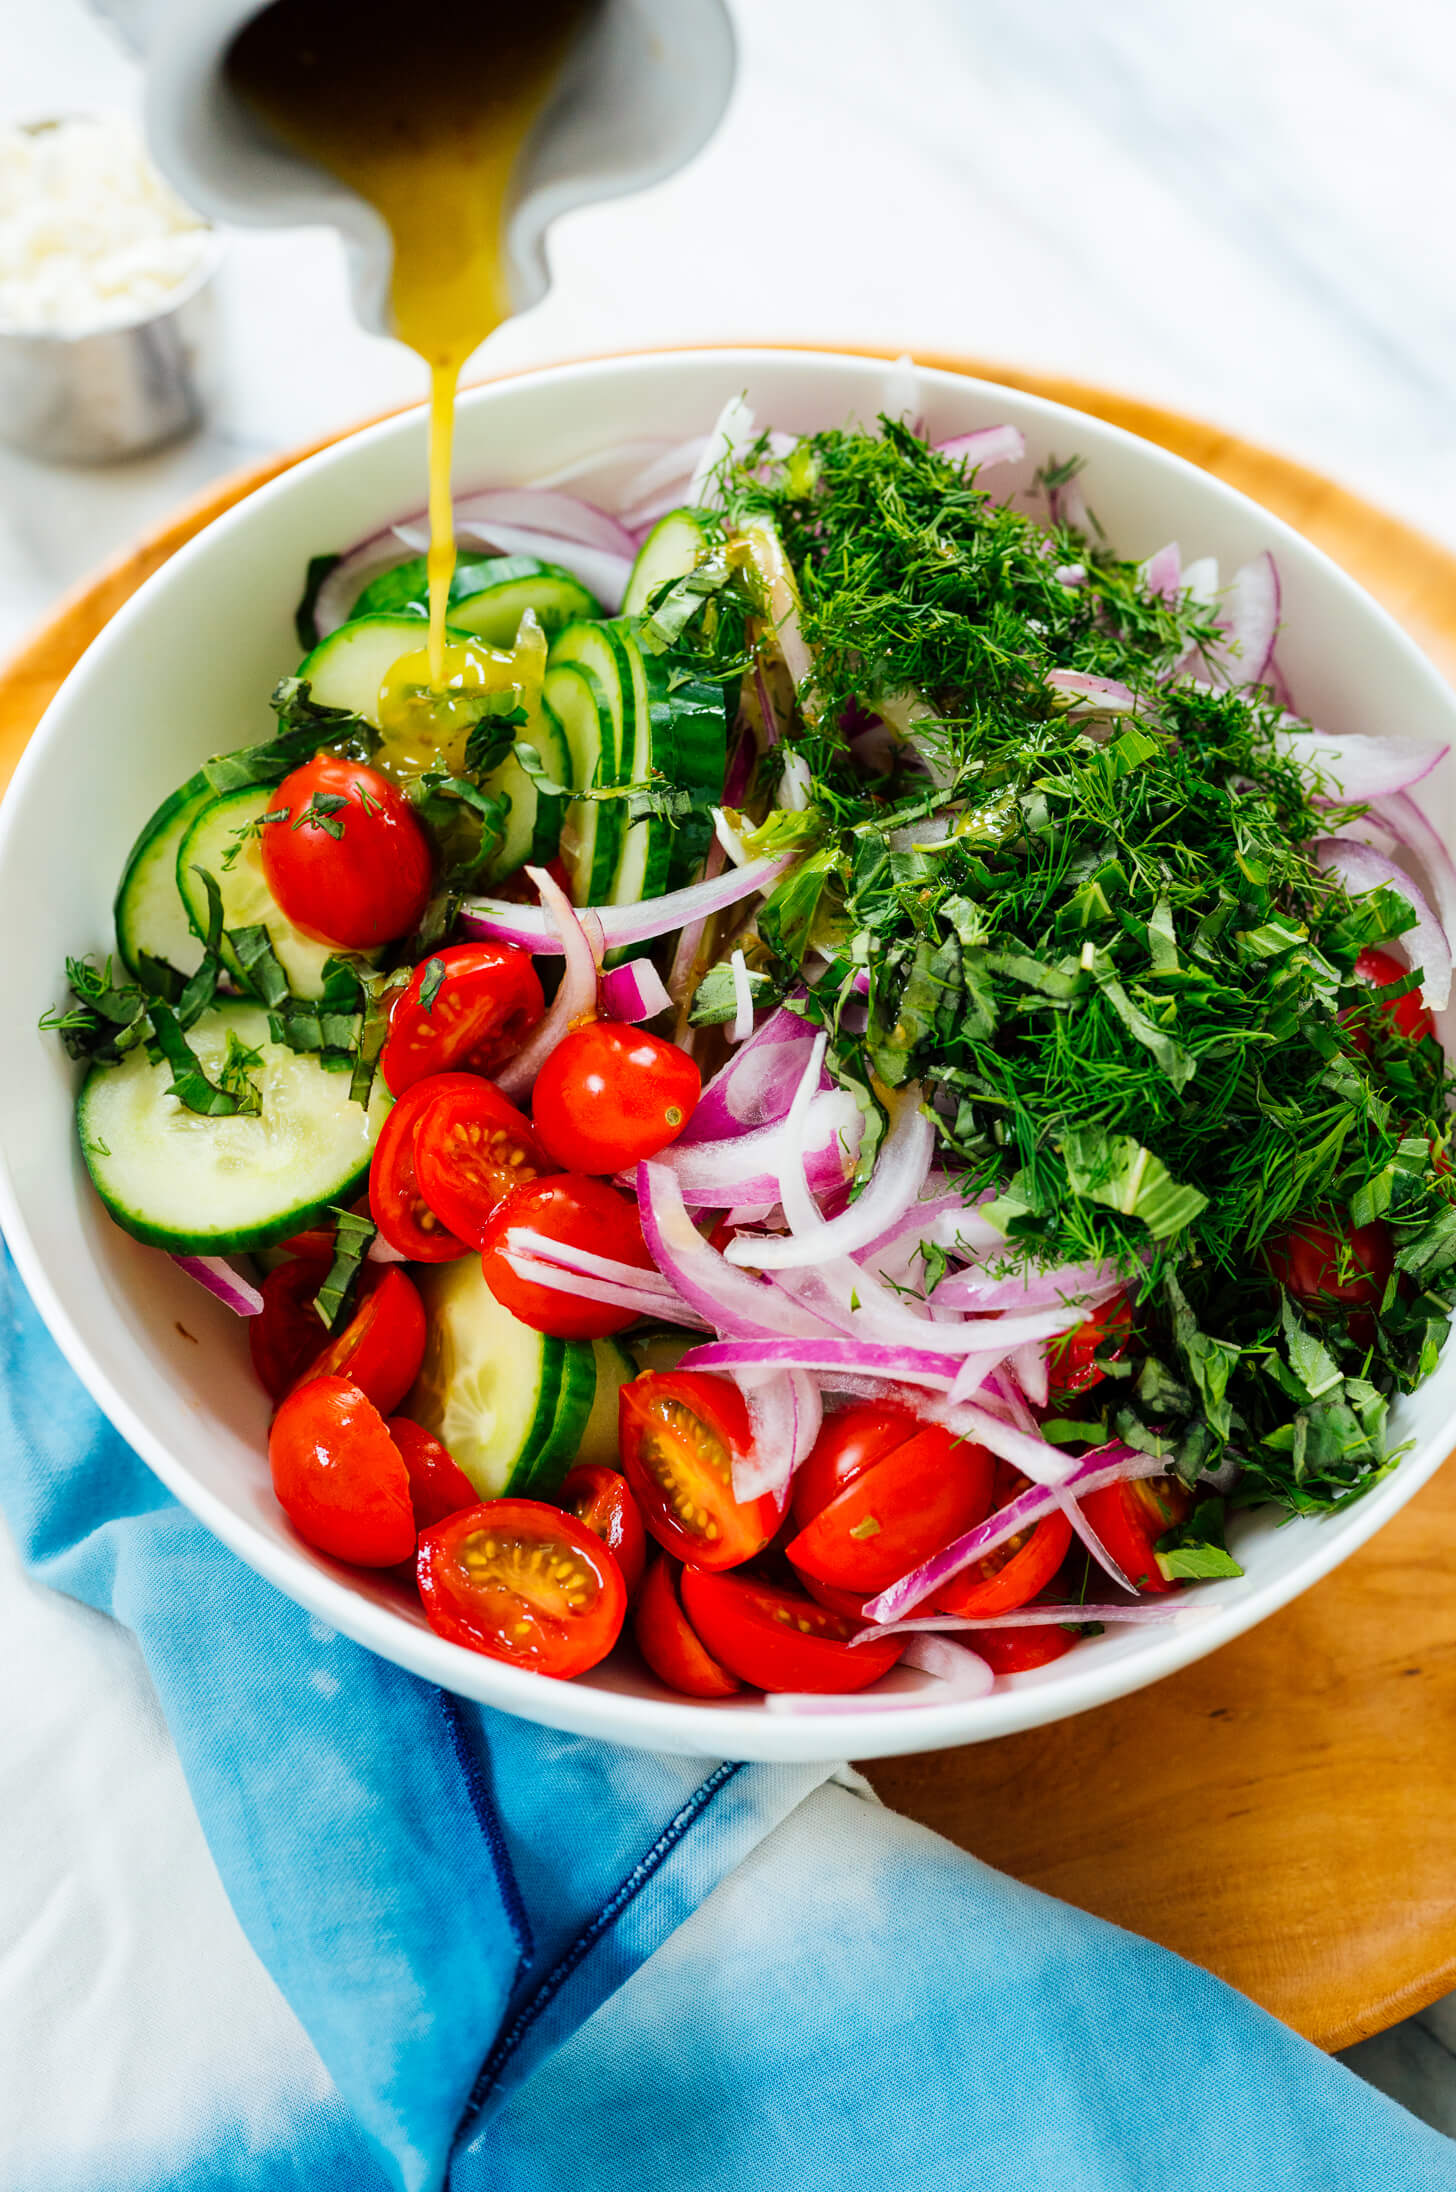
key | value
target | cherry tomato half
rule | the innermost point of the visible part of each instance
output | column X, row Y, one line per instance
column 1130, row 1518
column 1017, row 1651
column 346, row 858
column 778, row 1640
column 382, row 1346
column 484, row 1000
column 1015, row 1571
column 472, row 1147
column 438, row 1486
column 924, row 1494
column 339, row 1476
column 1323, row 1265
column 580, row 1213
column 852, row 1440
column 670, row 1644
column 396, row 1200
column 839, row 1602
column 1410, row 1015
column 288, row 1331
column 1072, row 1364
column 521, row 1581
column 598, row 1496
column 679, row 1431
column 610, row 1094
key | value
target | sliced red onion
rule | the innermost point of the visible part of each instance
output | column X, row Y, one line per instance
column 661, row 485
column 796, row 785
column 575, row 1000
column 546, row 510
column 643, row 1301
column 644, row 453
column 585, row 1263
column 1362, row 767
column 634, row 992
column 899, row 1174
column 912, row 1366
column 1029, row 1368
column 732, row 1302
column 1411, row 827
column 865, row 1309
column 785, row 1412
column 1111, row 1464
column 757, row 1085
column 1068, row 506
column 766, row 553
column 975, row 1290
column 1251, row 614
column 1360, row 869
column 218, row 1278
column 380, row 1251
column 772, row 730
column 742, row 1026
column 620, row 925
column 1200, row 579
column 604, row 574
column 731, row 435
column 1093, row 1541
column 1070, row 575
column 961, row 1675
column 747, row 1167
column 1163, row 573
column 988, row 445
column 939, row 1214
column 1099, row 695
column 351, row 574
column 1034, row 1617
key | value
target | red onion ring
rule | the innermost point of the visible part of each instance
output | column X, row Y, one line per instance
column 505, row 923
column 216, row 1276
column 575, row 1000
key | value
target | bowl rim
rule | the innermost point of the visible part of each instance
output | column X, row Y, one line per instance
column 696, row 1728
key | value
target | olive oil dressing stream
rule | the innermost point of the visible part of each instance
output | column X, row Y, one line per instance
column 424, row 112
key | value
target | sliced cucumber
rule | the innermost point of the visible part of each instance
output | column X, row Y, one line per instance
column 405, row 591
column 592, row 829
column 600, row 1438
column 495, row 612
column 347, row 669
column 225, row 831
column 646, row 854
column 204, row 1186
column 676, row 544
column 490, row 1388
column 151, row 920
column 533, row 825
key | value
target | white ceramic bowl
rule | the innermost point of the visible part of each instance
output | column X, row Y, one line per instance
column 185, row 671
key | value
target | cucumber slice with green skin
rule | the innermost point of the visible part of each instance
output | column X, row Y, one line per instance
column 646, row 854
column 491, row 1389
column 150, row 916
column 495, row 612
column 591, row 830
column 207, row 1186
column 347, row 669
column 405, row 591
column 533, row 825
column 586, row 1426
column 225, row 830
column 676, row 544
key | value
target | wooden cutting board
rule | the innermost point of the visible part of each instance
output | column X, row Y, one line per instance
column 1283, row 1813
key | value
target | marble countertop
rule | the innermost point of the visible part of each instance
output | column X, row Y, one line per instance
column 1243, row 213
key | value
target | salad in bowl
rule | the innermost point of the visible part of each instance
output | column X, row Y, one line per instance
column 847, row 1105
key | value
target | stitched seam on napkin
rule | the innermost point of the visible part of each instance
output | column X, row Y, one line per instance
column 586, row 1940
column 482, row 1803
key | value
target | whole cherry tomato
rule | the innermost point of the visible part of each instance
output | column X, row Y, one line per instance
column 777, row 1639
column 579, row 1213
column 382, row 1346
column 1327, row 1264
column 669, row 1643
column 598, row 1496
column 438, row 1486
column 679, row 1432
column 1072, row 1363
column 1410, row 1015
column 521, row 1581
column 1130, row 1518
column 610, row 1094
column 344, row 854
column 1013, row 1572
column 472, row 1147
column 1017, row 1651
column 467, row 1009
column 396, row 1200
column 288, row 1331
column 925, row 1493
column 339, row 1476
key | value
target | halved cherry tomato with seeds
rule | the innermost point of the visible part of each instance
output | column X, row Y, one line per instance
column 1017, row 1651
column 1130, row 1518
column 339, row 1476
column 472, row 1147
column 838, row 1601
column 1015, row 1571
column 382, row 1346
column 779, row 1640
column 599, row 1497
column 609, row 1095
column 288, row 1331
column 467, row 1009
column 1072, row 1364
column 670, row 1644
column 853, row 1439
column 583, row 1213
column 679, row 1432
column 438, row 1486
column 925, row 1493
column 345, row 857
column 521, row 1581
column 396, row 1200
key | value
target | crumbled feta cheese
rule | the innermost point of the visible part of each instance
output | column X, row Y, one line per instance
column 90, row 235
